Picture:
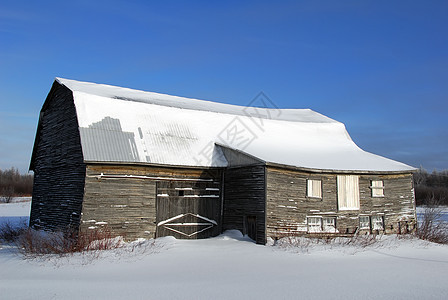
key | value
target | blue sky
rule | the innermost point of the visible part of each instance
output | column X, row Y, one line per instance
column 380, row 67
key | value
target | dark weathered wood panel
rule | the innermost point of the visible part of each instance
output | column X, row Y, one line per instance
column 288, row 206
column 129, row 206
column 198, row 202
column 244, row 196
column 57, row 163
column 237, row 158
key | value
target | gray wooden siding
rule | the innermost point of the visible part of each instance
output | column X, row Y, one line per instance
column 193, row 202
column 287, row 205
column 244, row 196
column 128, row 206
column 57, row 163
column 398, row 204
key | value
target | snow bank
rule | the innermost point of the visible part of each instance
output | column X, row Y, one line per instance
column 15, row 213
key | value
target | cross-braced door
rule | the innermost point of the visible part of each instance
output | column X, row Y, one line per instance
column 188, row 209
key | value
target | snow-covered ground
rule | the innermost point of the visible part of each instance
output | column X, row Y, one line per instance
column 229, row 267
column 441, row 210
column 17, row 212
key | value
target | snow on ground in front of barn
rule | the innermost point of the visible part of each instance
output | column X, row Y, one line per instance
column 17, row 212
column 230, row 267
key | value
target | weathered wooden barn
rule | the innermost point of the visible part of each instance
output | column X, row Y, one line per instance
column 150, row 165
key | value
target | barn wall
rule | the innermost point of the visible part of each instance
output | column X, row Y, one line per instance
column 244, row 197
column 58, row 165
column 132, row 207
column 288, row 206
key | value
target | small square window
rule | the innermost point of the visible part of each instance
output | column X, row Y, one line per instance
column 314, row 188
column 329, row 224
column 364, row 222
column 377, row 223
column 181, row 193
column 377, row 187
column 314, row 224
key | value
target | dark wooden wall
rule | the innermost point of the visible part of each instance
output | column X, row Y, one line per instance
column 244, row 197
column 199, row 202
column 129, row 206
column 57, row 163
column 287, row 205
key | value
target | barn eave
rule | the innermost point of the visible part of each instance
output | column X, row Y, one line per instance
column 338, row 171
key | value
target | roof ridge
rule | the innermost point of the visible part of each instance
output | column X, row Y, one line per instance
column 126, row 94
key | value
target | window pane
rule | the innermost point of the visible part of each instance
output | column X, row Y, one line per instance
column 348, row 192
column 314, row 188
column 377, row 188
column 329, row 224
column 314, row 224
column 377, row 223
column 364, row 222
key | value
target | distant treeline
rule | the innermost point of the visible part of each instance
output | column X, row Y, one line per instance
column 13, row 184
column 431, row 188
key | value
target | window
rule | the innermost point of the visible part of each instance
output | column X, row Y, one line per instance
column 373, row 222
column 348, row 192
column 314, row 188
column 377, row 187
column 377, row 223
column 364, row 222
column 329, row 224
column 314, row 224
column 319, row 224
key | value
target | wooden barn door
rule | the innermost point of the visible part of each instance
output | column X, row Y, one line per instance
column 251, row 227
column 188, row 209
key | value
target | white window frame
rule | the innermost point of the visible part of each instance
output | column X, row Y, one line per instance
column 329, row 224
column 348, row 192
column 314, row 188
column 377, row 187
column 314, row 224
column 377, row 222
column 364, row 224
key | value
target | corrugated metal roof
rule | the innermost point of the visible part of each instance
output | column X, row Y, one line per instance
column 125, row 94
column 123, row 125
column 105, row 141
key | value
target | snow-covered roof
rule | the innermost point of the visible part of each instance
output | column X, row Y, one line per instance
column 124, row 125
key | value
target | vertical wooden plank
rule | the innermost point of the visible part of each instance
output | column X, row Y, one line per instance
column 58, row 166
column 244, row 196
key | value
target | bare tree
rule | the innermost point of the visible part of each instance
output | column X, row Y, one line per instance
column 432, row 227
column 12, row 184
column 7, row 194
column 420, row 177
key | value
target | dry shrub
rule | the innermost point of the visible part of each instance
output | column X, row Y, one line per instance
column 361, row 241
column 432, row 227
column 33, row 243
column 98, row 239
column 294, row 243
column 304, row 244
column 10, row 233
